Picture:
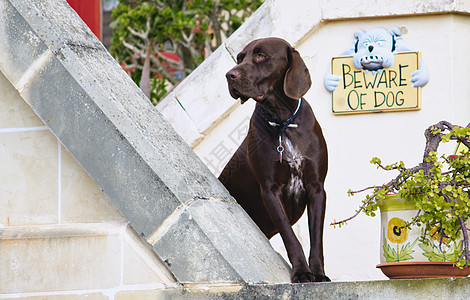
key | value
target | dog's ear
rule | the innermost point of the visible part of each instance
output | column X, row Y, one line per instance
column 297, row 79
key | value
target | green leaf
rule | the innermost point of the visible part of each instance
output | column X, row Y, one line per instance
column 375, row 160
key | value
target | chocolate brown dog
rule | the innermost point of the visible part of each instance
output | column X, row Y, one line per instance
column 280, row 167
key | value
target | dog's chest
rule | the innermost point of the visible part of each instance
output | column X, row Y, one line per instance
column 295, row 160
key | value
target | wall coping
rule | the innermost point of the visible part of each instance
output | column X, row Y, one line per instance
column 436, row 288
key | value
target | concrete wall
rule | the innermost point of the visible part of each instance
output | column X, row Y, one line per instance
column 416, row 289
column 99, row 194
column 60, row 234
column 202, row 111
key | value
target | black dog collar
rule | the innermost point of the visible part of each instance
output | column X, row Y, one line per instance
column 283, row 124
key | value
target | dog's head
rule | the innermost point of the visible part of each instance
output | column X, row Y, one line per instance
column 268, row 66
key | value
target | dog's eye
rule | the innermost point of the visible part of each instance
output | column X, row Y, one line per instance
column 261, row 57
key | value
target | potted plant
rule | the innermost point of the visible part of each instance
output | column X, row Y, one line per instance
column 424, row 210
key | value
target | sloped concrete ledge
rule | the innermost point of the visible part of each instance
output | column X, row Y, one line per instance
column 64, row 73
column 187, row 238
column 442, row 288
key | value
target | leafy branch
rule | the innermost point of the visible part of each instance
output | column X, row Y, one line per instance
column 439, row 187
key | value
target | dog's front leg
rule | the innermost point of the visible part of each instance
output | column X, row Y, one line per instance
column 316, row 215
column 272, row 201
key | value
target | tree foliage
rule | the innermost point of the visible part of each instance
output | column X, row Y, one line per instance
column 159, row 42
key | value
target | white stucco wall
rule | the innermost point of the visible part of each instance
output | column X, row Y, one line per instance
column 212, row 122
column 352, row 251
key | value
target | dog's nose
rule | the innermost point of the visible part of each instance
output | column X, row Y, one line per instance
column 232, row 74
column 371, row 48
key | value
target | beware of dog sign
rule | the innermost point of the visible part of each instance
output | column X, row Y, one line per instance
column 387, row 89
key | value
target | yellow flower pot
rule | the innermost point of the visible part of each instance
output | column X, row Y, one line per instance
column 401, row 246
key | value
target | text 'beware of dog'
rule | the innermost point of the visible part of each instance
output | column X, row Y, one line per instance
column 363, row 91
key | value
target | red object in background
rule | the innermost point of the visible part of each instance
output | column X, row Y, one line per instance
column 90, row 12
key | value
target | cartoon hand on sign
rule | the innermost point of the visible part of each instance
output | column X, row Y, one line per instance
column 377, row 73
column 421, row 76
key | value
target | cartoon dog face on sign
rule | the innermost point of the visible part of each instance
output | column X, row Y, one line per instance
column 375, row 48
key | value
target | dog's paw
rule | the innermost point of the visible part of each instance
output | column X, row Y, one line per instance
column 321, row 278
column 302, row 276
column 307, row 276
